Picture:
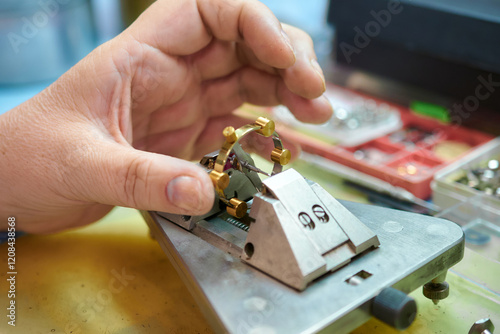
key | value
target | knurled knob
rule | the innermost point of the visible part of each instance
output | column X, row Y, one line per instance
column 395, row 308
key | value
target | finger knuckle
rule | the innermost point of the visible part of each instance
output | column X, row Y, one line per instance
column 135, row 187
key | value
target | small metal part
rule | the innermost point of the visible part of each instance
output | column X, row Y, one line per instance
column 412, row 136
column 230, row 134
column 486, row 179
column 487, row 175
column 437, row 289
column 395, row 308
column 355, row 280
column 352, row 123
column 220, row 180
column 401, row 170
column 281, row 156
column 370, row 104
column 341, row 114
column 225, row 160
column 237, row 208
column 359, row 154
column 266, row 126
column 252, row 168
column 237, row 223
column 472, row 179
column 411, row 169
column 483, row 326
column 397, row 137
column 493, row 165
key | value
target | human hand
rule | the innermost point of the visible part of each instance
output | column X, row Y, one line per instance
column 115, row 128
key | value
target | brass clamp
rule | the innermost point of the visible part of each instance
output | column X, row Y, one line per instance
column 279, row 155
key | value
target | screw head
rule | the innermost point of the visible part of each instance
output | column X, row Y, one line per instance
column 266, row 126
column 281, row 156
column 220, row 180
column 230, row 134
column 238, row 208
column 436, row 291
column 482, row 325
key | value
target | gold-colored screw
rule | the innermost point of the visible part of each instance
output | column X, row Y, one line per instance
column 267, row 126
column 230, row 134
column 238, row 208
column 220, row 180
column 281, row 156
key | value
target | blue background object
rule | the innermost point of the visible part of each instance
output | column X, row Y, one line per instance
column 309, row 16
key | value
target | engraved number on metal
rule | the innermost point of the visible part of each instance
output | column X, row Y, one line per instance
column 306, row 220
column 320, row 213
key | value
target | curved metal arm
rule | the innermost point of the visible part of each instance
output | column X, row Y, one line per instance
column 262, row 126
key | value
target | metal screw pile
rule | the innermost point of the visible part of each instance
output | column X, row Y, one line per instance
column 486, row 179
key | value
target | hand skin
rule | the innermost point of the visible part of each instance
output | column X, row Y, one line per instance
column 116, row 128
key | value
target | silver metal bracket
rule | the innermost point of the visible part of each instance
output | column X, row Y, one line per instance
column 297, row 231
column 325, row 251
column 283, row 256
column 238, row 298
column 300, row 232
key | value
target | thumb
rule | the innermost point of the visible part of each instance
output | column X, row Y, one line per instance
column 125, row 176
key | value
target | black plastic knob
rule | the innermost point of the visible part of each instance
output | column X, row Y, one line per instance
column 395, row 308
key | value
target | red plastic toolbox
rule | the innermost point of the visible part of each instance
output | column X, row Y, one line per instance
column 407, row 158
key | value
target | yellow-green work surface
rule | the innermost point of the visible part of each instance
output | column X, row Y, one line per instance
column 111, row 277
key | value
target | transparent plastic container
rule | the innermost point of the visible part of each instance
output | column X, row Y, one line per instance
column 479, row 218
column 357, row 119
column 448, row 192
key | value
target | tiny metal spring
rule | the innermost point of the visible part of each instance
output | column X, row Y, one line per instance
column 237, row 223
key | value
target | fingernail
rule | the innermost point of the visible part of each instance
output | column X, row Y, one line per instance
column 329, row 103
column 319, row 71
column 185, row 192
column 288, row 41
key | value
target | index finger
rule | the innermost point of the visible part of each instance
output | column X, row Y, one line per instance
column 182, row 28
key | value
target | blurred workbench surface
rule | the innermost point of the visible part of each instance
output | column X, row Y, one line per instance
column 111, row 277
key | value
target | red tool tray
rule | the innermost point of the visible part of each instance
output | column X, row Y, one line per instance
column 407, row 158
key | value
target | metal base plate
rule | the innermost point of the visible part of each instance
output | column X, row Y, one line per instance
column 238, row 298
